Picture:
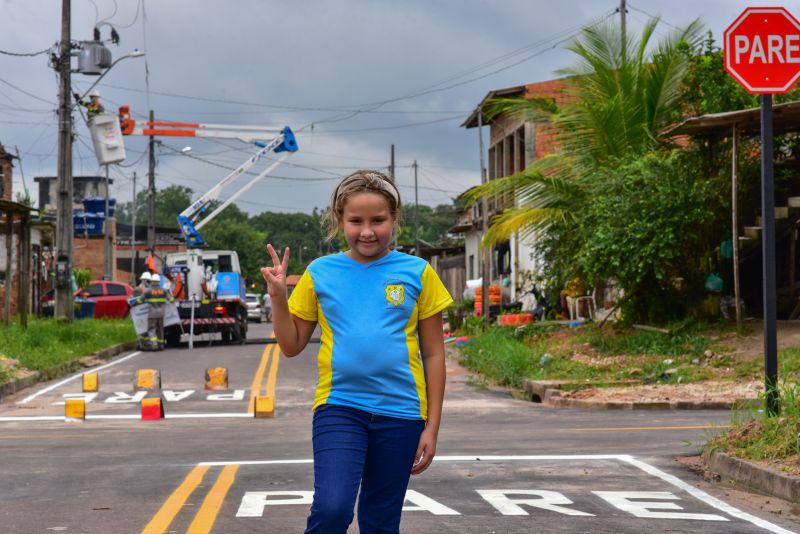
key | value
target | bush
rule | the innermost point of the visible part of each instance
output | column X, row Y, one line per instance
column 648, row 222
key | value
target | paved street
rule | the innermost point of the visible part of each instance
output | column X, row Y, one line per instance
column 503, row 465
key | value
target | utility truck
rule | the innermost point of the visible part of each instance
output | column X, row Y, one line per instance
column 208, row 284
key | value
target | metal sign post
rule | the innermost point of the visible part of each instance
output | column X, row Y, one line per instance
column 768, row 259
column 761, row 53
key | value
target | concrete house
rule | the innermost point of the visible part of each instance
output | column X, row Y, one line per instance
column 513, row 144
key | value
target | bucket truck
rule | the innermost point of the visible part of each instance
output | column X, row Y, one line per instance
column 208, row 284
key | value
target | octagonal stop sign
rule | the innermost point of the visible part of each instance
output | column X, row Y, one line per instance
column 762, row 50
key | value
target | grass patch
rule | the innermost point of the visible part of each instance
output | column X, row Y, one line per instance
column 755, row 436
column 47, row 343
column 618, row 341
column 605, row 356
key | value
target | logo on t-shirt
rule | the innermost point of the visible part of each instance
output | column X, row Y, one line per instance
column 395, row 294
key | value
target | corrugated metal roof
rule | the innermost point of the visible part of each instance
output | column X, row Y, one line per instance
column 785, row 117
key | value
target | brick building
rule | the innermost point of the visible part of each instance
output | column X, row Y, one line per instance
column 513, row 144
column 25, row 247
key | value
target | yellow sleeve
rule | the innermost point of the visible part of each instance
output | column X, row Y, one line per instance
column 303, row 300
column 434, row 296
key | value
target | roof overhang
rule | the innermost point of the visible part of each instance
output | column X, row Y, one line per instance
column 785, row 118
column 472, row 120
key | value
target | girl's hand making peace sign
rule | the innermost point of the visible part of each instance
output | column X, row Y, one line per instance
column 276, row 275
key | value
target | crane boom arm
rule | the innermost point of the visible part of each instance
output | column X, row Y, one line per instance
column 188, row 219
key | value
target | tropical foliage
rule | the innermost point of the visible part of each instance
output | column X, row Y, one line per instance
column 614, row 201
column 248, row 235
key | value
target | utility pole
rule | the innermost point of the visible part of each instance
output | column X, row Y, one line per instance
column 622, row 11
column 107, row 249
column 416, row 211
column 151, row 195
column 133, row 233
column 485, row 267
column 63, row 308
column 391, row 162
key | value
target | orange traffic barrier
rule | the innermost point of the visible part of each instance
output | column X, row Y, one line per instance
column 91, row 382
column 147, row 379
column 75, row 410
column 264, row 407
column 152, row 409
column 216, row 378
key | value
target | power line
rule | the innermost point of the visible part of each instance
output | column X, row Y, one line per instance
column 135, row 18
column 23, row 91
column 652, row 16
column 25, row 54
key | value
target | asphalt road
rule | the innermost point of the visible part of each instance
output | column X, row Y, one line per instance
column 503, row 465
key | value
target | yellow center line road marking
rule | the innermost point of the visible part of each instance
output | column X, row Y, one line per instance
column 273, row 371
column 255, row 387
column 614, row 429
column 163, row 519
column 207, row 514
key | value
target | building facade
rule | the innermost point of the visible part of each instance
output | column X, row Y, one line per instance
column 512, row 145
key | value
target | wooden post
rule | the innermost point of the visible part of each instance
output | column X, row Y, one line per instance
column 24, row 260
column 9, row 277
column 735, row 226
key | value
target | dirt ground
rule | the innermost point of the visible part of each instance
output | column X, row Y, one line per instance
column 744, row 348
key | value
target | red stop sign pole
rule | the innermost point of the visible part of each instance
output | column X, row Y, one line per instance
column 762, row 52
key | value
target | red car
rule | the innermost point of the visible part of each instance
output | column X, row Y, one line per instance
column 111, row 298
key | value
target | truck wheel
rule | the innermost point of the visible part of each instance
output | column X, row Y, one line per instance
column 173, row 337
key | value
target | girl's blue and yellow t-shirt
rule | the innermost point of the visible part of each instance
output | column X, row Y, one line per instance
column 368, row 313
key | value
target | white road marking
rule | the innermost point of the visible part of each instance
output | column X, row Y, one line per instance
column 647, row 468
column 15, row 418
column 74, row 377
column 703, row 496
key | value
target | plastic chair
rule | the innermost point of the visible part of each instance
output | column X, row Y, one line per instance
column 574, row 304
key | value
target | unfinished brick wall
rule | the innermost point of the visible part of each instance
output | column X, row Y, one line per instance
column 6, row 170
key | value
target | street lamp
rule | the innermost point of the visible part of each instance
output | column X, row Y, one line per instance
column 91, row 71
column 93, row 59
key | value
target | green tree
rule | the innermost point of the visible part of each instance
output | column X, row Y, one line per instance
column 623, row 93
column 298, row 231
column 169, row 203
column 434, row 225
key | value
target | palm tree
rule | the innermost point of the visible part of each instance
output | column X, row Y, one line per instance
column 624, row 92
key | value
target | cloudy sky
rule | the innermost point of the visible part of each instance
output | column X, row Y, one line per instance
column 351, row 77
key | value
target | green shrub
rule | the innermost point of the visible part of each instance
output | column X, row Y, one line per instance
column 47, row 343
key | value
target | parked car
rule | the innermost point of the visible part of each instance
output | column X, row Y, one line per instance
column 253, row 307
column 110, row 298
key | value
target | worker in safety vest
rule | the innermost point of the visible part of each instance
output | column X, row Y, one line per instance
column 157, row 297
column 144, row 284
column 93, row 106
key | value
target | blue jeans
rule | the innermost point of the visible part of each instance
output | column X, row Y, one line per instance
column 354, row 448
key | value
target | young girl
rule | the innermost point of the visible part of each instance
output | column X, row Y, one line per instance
column 377, row 407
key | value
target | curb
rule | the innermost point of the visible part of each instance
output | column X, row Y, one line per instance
column 18, row 384
column 549, row 392
column 754, row 477
column 561, row 402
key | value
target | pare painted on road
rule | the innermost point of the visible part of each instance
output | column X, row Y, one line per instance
column 508, row 502
column 169, row 395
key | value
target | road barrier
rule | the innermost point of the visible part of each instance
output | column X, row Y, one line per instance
column 216, row 378
column 147, row 379
column 264, row 407
column 91, row 382
column 75, row 410
column 152, row 409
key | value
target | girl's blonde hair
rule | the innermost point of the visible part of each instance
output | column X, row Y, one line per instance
column 363, row 181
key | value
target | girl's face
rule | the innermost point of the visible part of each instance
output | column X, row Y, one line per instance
column 368, row 225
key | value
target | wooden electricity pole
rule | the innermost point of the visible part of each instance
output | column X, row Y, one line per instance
column 63, row 307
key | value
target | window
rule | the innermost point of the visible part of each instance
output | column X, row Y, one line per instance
column 116, row 289
column 95, row 290
column 472, row 266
